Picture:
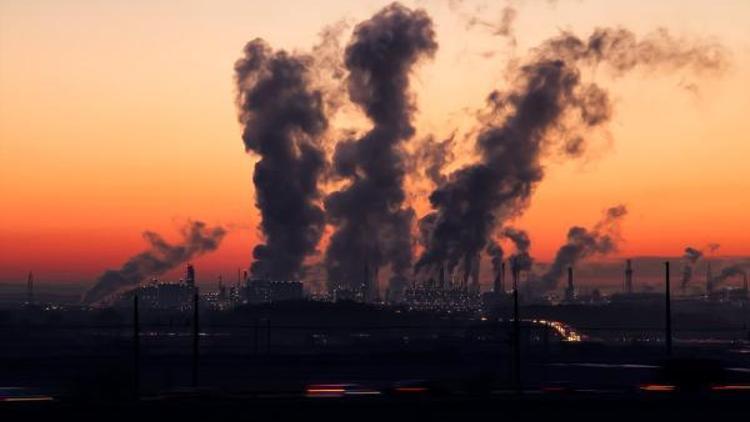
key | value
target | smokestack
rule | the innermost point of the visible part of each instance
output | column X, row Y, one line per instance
column 160, row 257
column 499, row 285
column 709, row 279
column 668, row 311
column 196, row 337
column 442, row 277
column 628, row 277
column 502, row 277
column 570, row 292
column 366, row 284
column 30, row 288
column 467, row 273
column 516, row 332
column 475, row 287
column 190, row 275
column 136, row 349
column 582, row 243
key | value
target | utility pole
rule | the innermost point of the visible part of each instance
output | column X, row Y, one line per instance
column 668, row 312
column 136, row 349
column 516, row 332
column 196, row 332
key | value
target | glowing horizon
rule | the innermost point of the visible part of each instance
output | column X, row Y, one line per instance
column 118, row 119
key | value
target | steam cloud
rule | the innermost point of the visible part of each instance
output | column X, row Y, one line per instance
column 284, row 119
column 372, row 226
column 582, row 243
column 547, row 108
column 161, row 257
column 727, row 272
column 548, row 105
column 690, row 258
column 521, row 260
column 495, row 253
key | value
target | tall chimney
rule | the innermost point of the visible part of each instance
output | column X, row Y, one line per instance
column 709, row 279
column 475, row 274
column 467, row 273
column 136, row 349
column 366, row 283
column 442, row 276
column 498, row 287
column 190, row 275
column 668, row 312
column 516, row 332
column 570, row 291
column 502, row 277
column 628, row 277
column 30, row 288
column 375, row 285
column 196, row 338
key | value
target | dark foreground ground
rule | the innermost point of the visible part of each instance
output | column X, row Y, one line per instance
column 335, row 363
column 528, row 407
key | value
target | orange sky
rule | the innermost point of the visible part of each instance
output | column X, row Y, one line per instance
column 117, row 118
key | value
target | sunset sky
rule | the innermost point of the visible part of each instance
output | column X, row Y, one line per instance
column 119, row 117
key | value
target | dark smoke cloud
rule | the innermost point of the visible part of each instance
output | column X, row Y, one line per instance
column 432, row 156
column 583, row 243
column 521, row 260
column 727, row 272
column 690, row 258
column 158, row 259
column 369, row 215
column 495, row 252
column 548, row 105
column 284, row 119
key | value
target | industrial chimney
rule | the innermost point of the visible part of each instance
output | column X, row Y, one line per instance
column 628, row 277
column 30, row 288
column 190, row 275
column 570, row 292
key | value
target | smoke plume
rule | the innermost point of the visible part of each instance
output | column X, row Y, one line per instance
column 371, row 223
column 690, row 258
column 158, row 259
column 432, row 156
column 521, row 260
column 284, row 119
column 583, row 243
column 727, row 272
column 547, row 105
column 495, row 252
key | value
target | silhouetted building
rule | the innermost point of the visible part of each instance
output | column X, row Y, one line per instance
column 190, row 275
column 267, row 291
column 158, row 295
